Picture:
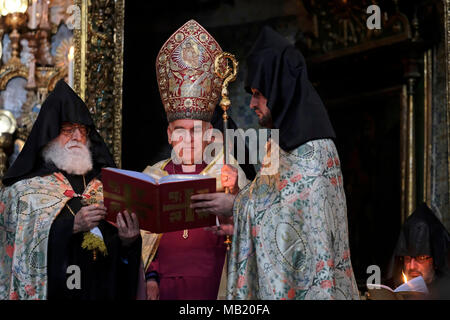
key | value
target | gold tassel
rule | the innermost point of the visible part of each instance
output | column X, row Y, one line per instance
column 228, row 242
column 94, row 243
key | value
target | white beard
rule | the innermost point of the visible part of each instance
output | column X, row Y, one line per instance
column 73, row 161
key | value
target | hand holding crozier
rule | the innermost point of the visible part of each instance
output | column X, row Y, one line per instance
column 225, row 228
column 229, row 178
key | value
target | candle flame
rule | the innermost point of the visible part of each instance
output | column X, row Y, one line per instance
column 71, row 53
column 405, row 279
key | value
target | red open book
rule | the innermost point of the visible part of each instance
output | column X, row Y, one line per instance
column 162, row 204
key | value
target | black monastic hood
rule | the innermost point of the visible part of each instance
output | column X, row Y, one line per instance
column 278, row 70
column 61, row 105
column 423, row 234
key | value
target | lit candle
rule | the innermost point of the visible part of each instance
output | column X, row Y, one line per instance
column 70, row 56
column 33, row 24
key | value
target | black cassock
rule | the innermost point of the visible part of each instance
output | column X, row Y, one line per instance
column 114, row 276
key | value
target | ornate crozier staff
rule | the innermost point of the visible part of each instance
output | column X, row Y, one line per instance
column 227, row 74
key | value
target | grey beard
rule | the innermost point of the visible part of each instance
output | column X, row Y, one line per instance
column 78, row 161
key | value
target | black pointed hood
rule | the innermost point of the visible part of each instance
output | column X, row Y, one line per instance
column 278, row 70
column 61, row 105
column 423, row 234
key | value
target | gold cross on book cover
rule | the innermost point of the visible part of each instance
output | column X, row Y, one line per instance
column 160, row 201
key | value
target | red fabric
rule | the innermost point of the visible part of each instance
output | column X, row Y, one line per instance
column 191, row 268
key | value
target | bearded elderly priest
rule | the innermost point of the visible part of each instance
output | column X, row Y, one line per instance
column 52, row 227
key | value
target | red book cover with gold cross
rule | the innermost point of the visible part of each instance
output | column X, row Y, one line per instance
column 161, row 204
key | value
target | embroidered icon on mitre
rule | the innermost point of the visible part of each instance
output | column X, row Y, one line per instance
column 188, row 85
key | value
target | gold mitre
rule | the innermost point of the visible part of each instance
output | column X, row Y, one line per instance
column 188, row 85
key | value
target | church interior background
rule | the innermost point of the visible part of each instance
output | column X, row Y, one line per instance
column 386, row 90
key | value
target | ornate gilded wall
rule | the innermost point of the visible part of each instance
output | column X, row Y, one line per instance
column 100, row 67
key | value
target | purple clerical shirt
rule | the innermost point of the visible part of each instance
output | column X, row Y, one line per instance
column 191, row 268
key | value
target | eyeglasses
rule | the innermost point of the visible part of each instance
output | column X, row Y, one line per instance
column 68, row 130
column 419, row 259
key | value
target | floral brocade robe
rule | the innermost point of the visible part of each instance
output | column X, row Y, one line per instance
column 27, row 211
column 290, row 231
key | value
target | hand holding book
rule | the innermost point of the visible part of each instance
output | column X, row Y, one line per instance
column 128, row 226
column 160, row 201
column 229, row 178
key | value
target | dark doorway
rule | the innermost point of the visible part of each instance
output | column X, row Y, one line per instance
column 368, row 130
column 363, row 95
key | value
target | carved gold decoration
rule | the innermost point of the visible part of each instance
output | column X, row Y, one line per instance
column 49, row 76
column 12, row 70
column 15, row 21
column 228, row 75
column 118, row 81
column 7, row 127
column 14, row 67
column 98, row 55
column 8, row 123
column 98, row 47
column 340, row 28
column 27, row 117
column 62, row 52
column 1, row 44
column 80, row 45
column 5, row 141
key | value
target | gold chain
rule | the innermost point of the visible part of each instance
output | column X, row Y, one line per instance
column 70, row 209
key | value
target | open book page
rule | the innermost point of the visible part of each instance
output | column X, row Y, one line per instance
column 135, row 174
column 416, row 284
column 378, row 286
column 182, row 177
column 158, row 176
column 155, row 173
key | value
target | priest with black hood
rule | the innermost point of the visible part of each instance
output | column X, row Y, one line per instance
column 423, row 250
column 54, row 241
column 290, row 237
